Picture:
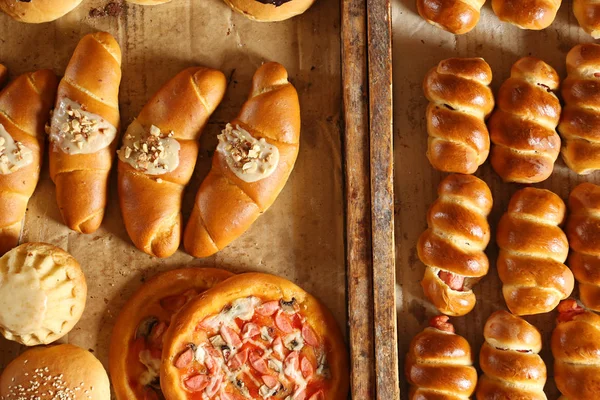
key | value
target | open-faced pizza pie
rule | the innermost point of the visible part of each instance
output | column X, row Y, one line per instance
column 137, row 338
column 255, row 336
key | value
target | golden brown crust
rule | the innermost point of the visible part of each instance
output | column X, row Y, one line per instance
column 267, row 287
column 3, row 75
column 587, row 13
column 152, row 209
column 55, row 372
column 24, row 109
column 527, row 14
column 455, row 16
column 460, row 100
column 92, row 79
column 226, row 206
column 259, row 11
column 145, row 303
column 523, row 127
column 37, row 11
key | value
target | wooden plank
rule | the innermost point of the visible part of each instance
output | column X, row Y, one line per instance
column 358, row 198
column 382, row 197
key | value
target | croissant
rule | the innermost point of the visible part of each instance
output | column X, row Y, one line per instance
column 452, row 248
column 587, row 13
column 576, row 351
column 455, row 16
column 151, row 196
column 580, row 121
column 527, row 14
column 253, row 161
column 439, row 364
column 533, row 250
column 24, row 108
column 83, row 131
column 512, row 367
column 460, row 101
column 523, row 127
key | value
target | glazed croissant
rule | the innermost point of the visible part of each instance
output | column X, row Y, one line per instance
column 455, row 16
column 523, row 127
column 460, row 101
column 533, row 250
column 24, row 108
column 83, row 131
column 583, row 231
column 439, row 364
column 512, row 367
column 576, row 351
column 254, row 158
column 453, row 246
column 151, row 198
column 587, row 13
column 580, row 121
column 527, row 14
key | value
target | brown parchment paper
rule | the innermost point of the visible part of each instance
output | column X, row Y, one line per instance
column 419, row 46
column 301, row 235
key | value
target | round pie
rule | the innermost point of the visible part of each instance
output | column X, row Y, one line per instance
column 255, row 336
column 137, row 338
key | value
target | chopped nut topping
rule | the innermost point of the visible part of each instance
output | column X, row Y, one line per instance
column 13, row 155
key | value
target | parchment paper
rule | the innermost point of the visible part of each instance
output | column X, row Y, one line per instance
column 419, row 46
column 300, row 237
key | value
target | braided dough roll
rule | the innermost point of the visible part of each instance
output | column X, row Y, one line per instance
column 151, row 199
column 576, row 351
column 587, row 13
column 255, row 157
column 24, row 108
column 533, row 250
column 580, row 120
column 453, row 246
column 523, row 127
column 83, row 131
column 439, row 363
column 512, row 367
column 455, row 16
column 460, row 101
column 527, row 14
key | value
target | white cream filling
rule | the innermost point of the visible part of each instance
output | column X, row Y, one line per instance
column 152, row 367
column 13, row 155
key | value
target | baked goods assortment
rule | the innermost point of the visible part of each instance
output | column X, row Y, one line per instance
column 270, row 10
column 455, row 16
column 37, row 11
column 528, row 14
column 460, row 100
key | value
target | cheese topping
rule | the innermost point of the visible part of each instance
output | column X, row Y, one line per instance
column 152, row 367
column 74, row 130
column 153, row 152
column 249, row 158
column 13, row 155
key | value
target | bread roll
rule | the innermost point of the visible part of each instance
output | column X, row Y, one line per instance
column 37, row 11
column 83, row 131
column 460, row 100
column 512, row 367
column 455, row 16
column 24, row 109
column 244, row 181
column 56, row 372
column 527, row 14
column 453, row 246
column 439, row 364
column 576, row 351
column 523, row 127
column 270, row 10
column 580, row 121
column 151, row 197
column 533, row 250
column 587, row 13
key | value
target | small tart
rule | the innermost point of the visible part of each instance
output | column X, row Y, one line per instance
column 42, row 293
column 136, row 342
column 255, row 336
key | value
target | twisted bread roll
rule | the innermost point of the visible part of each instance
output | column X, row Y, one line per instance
column 587, row 13
column 455, row 16
column 533, row 249
column 583, row 231
column 512, row 367
column 460, row 101
column 576, row 351
column 580, row 121
column 228, row 201
column 523, row 127
column 527, row 14
column 453, row 246
column 151, row 204
column 24, row 108
column 439, row 364
column 91, row 81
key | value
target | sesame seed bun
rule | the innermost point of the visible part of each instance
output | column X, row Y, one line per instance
column 62, row 372
column 270, row 10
